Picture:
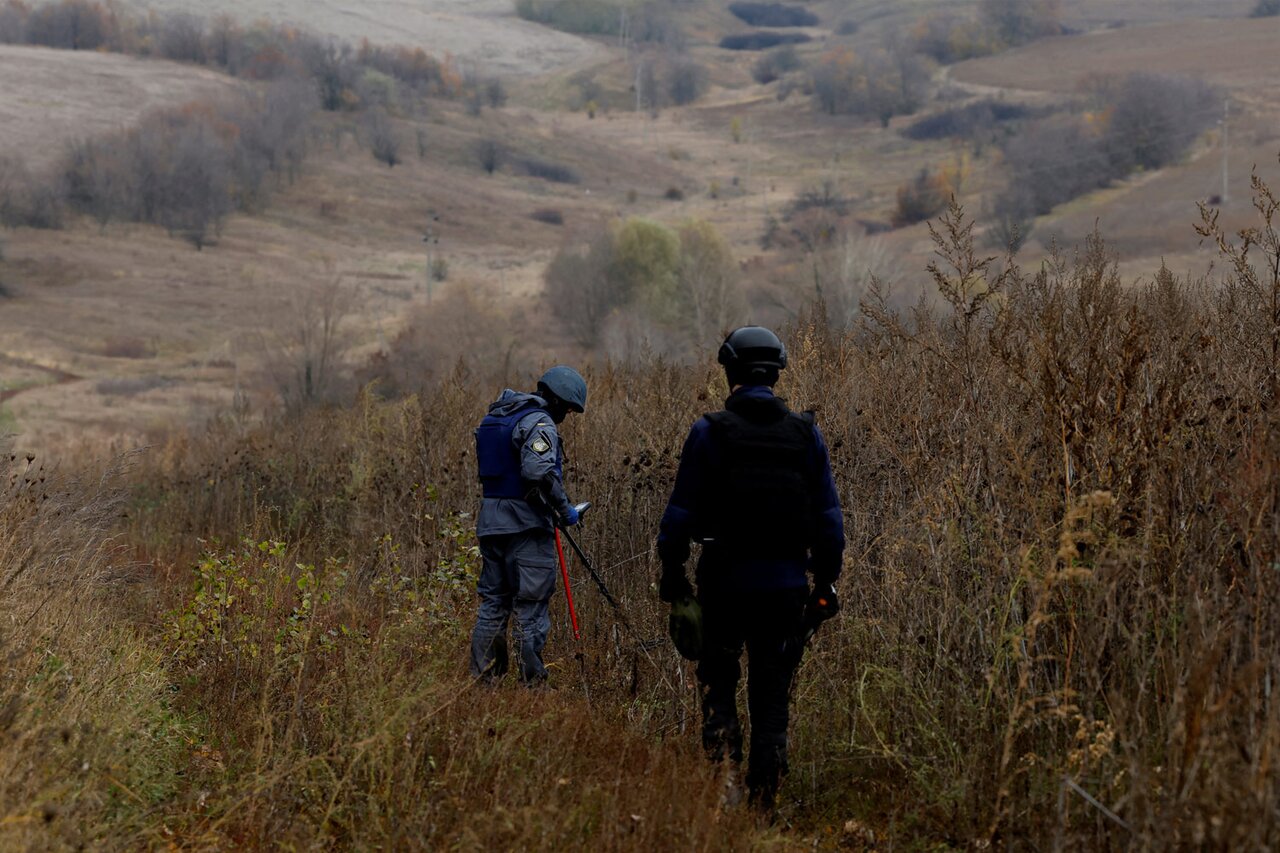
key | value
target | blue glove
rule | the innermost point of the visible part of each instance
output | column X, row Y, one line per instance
column 570, row 518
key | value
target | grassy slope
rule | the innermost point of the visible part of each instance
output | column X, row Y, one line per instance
column 206, row 316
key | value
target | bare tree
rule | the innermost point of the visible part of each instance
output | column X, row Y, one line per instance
column 580, row 287
column 685, row 82
column 856, row 262
column 708, row 281
column 13, row 24
column 496, row 93
column 196, row 185
column 304, row 357
column 381, row 133
column 1018, row 21
column 182, row 38
column 71, row 25
column 490, row 153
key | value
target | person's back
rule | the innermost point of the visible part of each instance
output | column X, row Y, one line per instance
column 754, row 487
column 520, row 462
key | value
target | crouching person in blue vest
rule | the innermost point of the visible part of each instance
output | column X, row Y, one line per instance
column 521, row 462
column 754, row 486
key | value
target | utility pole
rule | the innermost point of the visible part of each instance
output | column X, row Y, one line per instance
column 1226, row 111
column 431, row 238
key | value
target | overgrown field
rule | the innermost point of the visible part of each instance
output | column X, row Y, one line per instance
column 1061, row 612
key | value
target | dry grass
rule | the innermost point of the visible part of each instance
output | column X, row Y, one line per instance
column 206, row 312
column 483, row 33
column 1234, row 53
column 1061, row 500
column 52, row 97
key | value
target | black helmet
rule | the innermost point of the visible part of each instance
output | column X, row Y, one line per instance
column 752, row 347
column 567, row 385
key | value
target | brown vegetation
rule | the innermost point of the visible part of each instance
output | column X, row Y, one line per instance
column 1060, row 626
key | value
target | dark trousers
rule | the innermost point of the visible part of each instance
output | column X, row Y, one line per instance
column 518, row 575
column 768, row 625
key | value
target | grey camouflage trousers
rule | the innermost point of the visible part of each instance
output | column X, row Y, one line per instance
column 518, row 576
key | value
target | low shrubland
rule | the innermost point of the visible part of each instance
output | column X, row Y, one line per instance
column 949, row 36
column 588, row 17
column 1139, row 122
column 262, row 51
column 880, row 84
column 187, row 169
column 637, row 283
column 1061, row 605
column 762, row 40
column 774, row 15
column 645, row 21
column 977, row 122
column 775, row 63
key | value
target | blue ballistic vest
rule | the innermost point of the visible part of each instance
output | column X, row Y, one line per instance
column 498, row 457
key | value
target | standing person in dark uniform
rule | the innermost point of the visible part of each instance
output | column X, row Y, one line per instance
column 521, row 461
column 755, row 488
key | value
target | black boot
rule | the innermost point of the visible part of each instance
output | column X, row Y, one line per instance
column 768, row 764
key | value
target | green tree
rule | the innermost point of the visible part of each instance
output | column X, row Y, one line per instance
column 645, row 268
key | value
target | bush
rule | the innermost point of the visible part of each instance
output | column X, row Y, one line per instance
column 882, row 85
column 262, row 52
column 1142, row 121
column 490, row 153
column 548, row 170
column 921, row 198
column 549, row 215
column 971, row 121
column 774, row 15
column 1052, row 162
column 1153, row 119
column 947, row 37
column 686, row 82
column 439, row 270
column 646, row 258
column 674, row 194
column 13, row 23
column 1019, row 21
column 585, row 17
column 69, row 25
column 188, row 169
column 1062, row 493
column 580, row 287
column 762, row 40
column 383, row 141
column 1012, row 218
column 182, row 39
column 1266, row 9
column 24, row 202
column 775, row 63
column 131, row 386
column 496, row 94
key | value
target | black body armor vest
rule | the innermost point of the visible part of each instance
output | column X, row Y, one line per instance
column 758, row 501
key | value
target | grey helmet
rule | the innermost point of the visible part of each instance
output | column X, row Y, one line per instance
column 567, row 385
column 753, row 346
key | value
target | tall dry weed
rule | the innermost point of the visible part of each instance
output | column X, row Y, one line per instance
column 1061, row 613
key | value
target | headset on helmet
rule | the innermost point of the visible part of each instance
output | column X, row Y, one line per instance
column 753, row 346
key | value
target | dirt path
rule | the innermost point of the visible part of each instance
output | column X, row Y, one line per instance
column 57, row 377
